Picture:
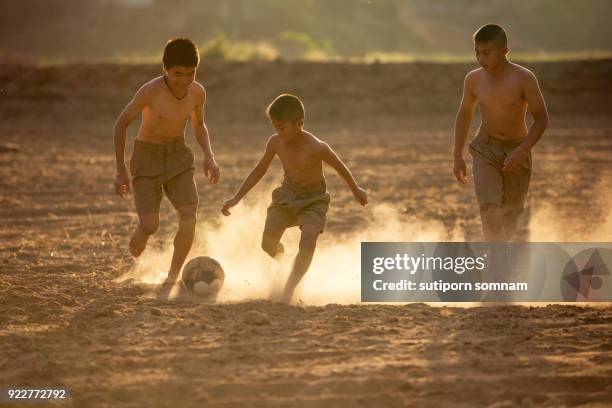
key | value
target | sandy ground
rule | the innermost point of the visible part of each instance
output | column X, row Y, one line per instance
column 69, row 317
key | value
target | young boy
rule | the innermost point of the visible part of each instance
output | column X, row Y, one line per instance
column 502, row 146
column 302, row 199
column 161, row 160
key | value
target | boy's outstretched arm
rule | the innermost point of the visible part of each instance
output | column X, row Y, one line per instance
column 126, row 117
column 330, row 157
column 200, row 131
column 462, row 126
column 253, row 178
column 537, row 107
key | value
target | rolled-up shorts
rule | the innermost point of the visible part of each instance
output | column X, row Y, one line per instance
column 158, row 168
column 508, row 190
column 294, row 205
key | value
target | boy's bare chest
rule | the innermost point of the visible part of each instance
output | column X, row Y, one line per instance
column 500, row 95
column 296, row 157
column 165, row 109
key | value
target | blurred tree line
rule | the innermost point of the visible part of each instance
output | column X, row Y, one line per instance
column 112, row 29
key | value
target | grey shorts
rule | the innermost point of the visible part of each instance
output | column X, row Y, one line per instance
column 507, row 190
column 294, row 205
column 166, row 167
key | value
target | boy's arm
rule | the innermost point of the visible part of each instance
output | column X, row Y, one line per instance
column 253, row 178
column 200, row 131
column 537, row 107
column 126, row 117
column 330, row 157
column 462, row 126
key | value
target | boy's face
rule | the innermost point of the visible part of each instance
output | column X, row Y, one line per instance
column 181, row 77
column 489, row 54
column 287, row 129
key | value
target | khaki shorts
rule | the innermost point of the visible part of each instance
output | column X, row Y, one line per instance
column 294, row 205
column 507, row 190
column 168, row 167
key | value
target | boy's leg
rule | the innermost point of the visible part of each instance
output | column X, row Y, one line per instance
column 270, row 243
column 182, row 192
column 308, row 242
column 489, row 187
column 492, row 223
column 147, row 198
column 516, row 186
column 278, row 219
column 147, row 225
column 182, row 245
column 183, row 238
column 145, row 168
column 509, row 222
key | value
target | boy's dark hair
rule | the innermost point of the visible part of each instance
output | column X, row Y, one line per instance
column 286, row 107
column 491, row 33
column 181, row 52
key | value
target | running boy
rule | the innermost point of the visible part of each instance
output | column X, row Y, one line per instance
column 502, row 146
column 302, row 199
column 161, row 160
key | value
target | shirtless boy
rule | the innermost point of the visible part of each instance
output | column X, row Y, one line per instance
column 161, row 161
column 502, row 146
column 302, row 199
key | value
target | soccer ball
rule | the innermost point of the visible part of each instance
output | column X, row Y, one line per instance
column 203, row 276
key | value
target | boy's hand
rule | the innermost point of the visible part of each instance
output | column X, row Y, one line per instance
column 122, row 182
column 211, row 170
column 514, row 159
column 229, row 204
column 361, row 196
column 460, row 170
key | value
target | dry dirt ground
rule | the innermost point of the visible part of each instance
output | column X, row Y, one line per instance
column 66, row 321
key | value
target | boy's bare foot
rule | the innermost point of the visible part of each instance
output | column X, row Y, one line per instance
column 165, row 289
column 138, row 243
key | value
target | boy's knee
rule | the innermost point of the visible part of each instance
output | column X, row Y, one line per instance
column 270, row 246
column 270, row 242
column 310, row 234
column 188, row 212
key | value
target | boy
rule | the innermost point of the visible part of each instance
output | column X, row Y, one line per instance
column 161, row 160
column 302, row 199
column 502, row 146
